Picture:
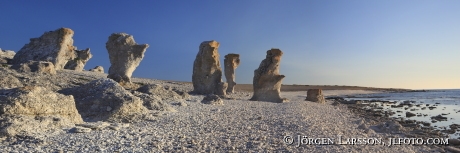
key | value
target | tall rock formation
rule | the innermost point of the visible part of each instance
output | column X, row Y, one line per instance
column 207, row 73
column 78, row 63
column 53, row 46
column 315, row 95
column 125, row 55
column 231, row 62
column 267, row 80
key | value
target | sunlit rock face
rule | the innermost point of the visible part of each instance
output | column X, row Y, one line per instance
column 231, row 62
column 315, row 95
column 207, row 73
column 267, row 80
column 125, row 55
column 53, row 46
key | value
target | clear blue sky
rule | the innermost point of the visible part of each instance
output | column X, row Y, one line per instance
column 385, row 43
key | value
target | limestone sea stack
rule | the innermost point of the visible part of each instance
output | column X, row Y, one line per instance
column 231, row 62
column 78, row 63
column 125, row 55
column 53, row 46
column 207, row 73
column 315, row 95
column 267, row 80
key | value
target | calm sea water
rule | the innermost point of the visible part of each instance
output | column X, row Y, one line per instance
column 447, row 101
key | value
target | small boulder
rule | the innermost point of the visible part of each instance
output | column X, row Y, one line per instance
column 315, row 95
column 161, row 92
column 153, row 102
column 82, row 130
column 35, row 66
column 99, row 69
column 212, row 100
column 125, row 55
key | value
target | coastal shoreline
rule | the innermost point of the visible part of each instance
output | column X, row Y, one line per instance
column 239, row 125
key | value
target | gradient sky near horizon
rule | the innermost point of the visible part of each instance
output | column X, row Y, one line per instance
column 393, row 44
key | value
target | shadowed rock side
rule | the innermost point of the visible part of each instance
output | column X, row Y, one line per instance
column 78, row 63
column 315, row 95
column 53, row 46
column 125, row 55
column 105, row 99
column 6, row 56
column 212, row 100
column 99, row 69
column 32, row 109
column 35, row 66
column 267, row 80
column 207, row 73
column 231, row 62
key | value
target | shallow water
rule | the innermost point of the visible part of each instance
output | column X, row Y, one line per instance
column 447, row 103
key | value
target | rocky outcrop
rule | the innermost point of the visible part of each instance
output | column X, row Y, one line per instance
column 125, row 55
column 53, row 46
column 315, row 95
column 161, row 92
column 207, row 73
column 231, row 62
column 153, row 102
column 212, row 100
column 9, row 81
column 267, row 80
column 99, row 69
column 106, row 100
column 35, row 66
column 32, row 109
column 6, row 56
column 78, row 63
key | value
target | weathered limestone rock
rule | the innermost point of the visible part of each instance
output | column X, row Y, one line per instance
column 267, row 80
column 207, row 73
column 31, row 110
column 99, row 69
column 6, row 56
column 153, row 102
column 231, row 62
column 9, row 81
column 105, row 99
column 212, row 100
column 78, row 63
column 35, row 66
column 161, row 92
column 53, row 46
column 125, row 55
column 315, row 95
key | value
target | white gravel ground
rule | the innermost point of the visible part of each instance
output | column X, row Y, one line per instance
column 239, row 125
